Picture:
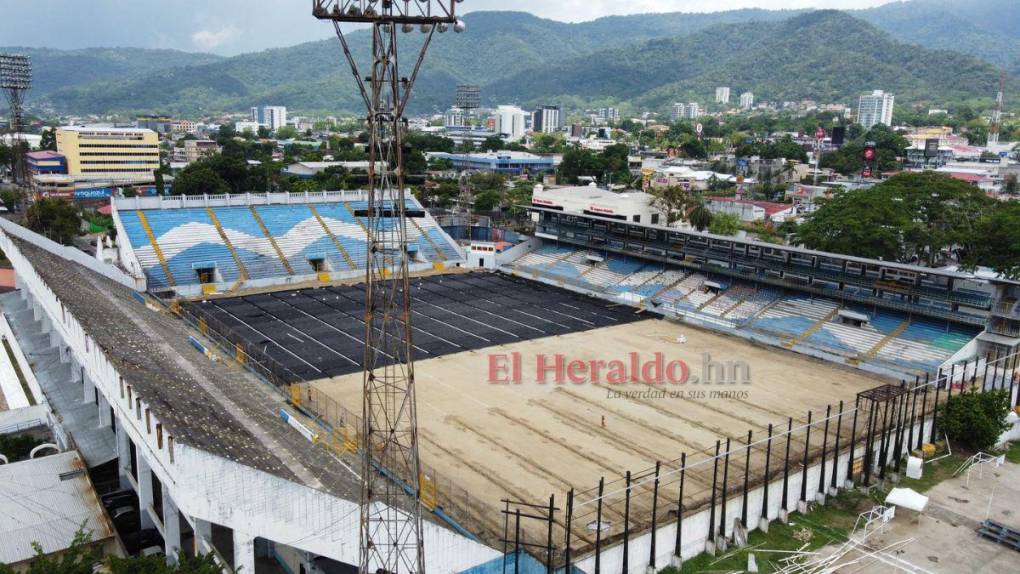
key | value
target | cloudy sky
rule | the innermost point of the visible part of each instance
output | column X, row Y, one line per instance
column 230, row 27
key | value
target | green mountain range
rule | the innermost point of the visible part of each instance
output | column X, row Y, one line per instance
column 648, row 60
column 824, row 55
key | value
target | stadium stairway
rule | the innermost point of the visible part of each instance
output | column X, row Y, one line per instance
column 817, row 326
column 169, row 277
column 242, row 270
column 874, row 351
column 336, row 242
column 272, row 241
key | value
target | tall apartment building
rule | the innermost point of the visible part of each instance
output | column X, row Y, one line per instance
column 679, row 111
column 875, row 108
column 109, row 152
column 273, row 117
column 547, row 119
column 693, row 111
column 747, row 100
column 722, row 95
column 510, row 122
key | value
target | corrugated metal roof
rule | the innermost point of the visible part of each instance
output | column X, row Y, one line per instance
column 46, row 500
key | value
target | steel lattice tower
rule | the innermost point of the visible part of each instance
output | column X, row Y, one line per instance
column 391, row 523
column 15, row 80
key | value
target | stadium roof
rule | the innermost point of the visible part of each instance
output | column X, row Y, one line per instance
column 47, row 500
column 217, row 407
column 108, row 129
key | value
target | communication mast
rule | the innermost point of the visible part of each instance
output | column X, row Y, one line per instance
column 391, row 524
column 993, row 132
column 15, row 80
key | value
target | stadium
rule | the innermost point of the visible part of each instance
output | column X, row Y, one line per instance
column 219, row 343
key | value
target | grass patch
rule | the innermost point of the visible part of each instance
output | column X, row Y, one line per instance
column 1013, row 454
column 934, row 473
column 824, row 525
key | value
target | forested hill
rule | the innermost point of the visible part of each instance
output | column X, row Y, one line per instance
column 55, row 69
column 824, row 55
column 650, row 60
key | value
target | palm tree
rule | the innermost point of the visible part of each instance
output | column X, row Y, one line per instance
column 700, row 217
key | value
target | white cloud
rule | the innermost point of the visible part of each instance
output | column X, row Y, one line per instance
column 210, row 40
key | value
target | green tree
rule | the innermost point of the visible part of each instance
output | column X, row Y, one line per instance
column 975, row 418
column 49, row 139
column 486, row 202
column 82, row 557
column 675, row 201
column 199, row 178
column 1009, row 184
column 724, row 224
column 998, row 240
column 700, row 217
column 286, row 133
column 55, row 218
column 907, row 218
column 159, row 181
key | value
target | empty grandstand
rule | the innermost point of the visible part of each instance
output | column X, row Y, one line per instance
column 884, row 340
column 218, row 243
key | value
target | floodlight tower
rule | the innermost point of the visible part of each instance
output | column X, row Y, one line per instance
column 391, row 527
column 15, row 80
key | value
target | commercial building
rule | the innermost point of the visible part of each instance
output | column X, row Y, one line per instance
column 241, row 127
column 105, row 152
column 40, row 162
column 454, row 118
column 159, row 124
column 184, row 127
column 194, row 150
column 722, row 95
column 608, row 114
column 505, row 162
column 510, row 123
column 591, row 200
column 469, row 97
column 547, row 120
column 875, row 108
column 747, row 100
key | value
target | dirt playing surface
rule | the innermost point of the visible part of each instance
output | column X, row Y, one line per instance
column 528, row 440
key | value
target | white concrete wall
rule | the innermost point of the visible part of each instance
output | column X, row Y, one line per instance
column 213, row 489
column 695, row 526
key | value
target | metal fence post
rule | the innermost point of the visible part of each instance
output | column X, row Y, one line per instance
column 747, row 470
column 807, row 448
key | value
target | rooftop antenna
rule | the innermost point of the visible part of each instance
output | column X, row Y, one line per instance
column 15, row 80
column 391, row 528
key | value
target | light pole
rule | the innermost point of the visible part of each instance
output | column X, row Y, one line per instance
column 391, row 524
column 15, row 80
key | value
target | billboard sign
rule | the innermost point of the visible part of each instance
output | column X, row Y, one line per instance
column 820, row 134
column 93, row 193
column 931, row 147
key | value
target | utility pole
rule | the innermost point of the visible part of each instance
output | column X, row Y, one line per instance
column 391, row 523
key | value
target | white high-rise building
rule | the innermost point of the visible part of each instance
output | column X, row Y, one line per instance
column 875, row 108
column 679, row 111
column 274, row 117
column 455, row 118
column 747, row 100
column 547, row 119
column 693, row 111
column 722, row 95
column 510, row 122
